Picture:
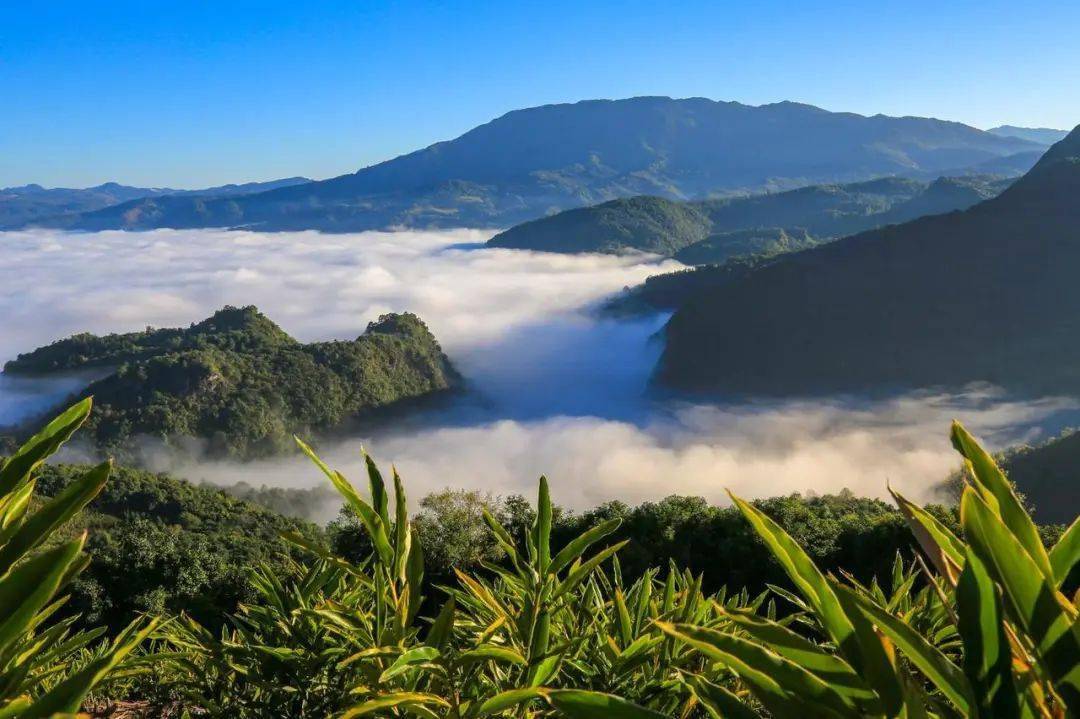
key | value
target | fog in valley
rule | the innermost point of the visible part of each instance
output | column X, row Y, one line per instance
column 554, row 388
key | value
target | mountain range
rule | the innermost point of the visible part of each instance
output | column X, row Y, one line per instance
column 29, row 204
column 1042, row 135
column 533, row 162
column 985, row 294
column 711, row 231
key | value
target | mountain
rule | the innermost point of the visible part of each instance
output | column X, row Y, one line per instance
column 1048, row 475
column 30, row 203
column 1040, row 135
column 987, row 294
column 242, row 386
column 749, row 224
column 533, row 162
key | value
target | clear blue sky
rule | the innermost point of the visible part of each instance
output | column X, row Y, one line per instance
column 189, row 94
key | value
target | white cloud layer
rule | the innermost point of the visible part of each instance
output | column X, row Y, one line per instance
column 555, row 390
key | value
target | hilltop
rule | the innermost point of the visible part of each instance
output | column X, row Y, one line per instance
column 746, row 225
column 241, row 385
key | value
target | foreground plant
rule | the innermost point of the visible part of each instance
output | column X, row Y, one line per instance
column 1018, row 648
column 44, row 668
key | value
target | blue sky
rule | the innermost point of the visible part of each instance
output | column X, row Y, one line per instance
column 189, row 94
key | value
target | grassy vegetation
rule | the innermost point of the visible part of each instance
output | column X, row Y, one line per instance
column 545, row 619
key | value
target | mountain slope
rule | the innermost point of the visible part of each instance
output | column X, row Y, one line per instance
column 240, row 384
column 652, row 224
column 532, row 162
column 985, row 294
column 1041, row 135
column 30, row 203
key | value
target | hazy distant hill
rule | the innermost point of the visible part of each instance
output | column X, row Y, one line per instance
column 1041, row 135
column 985, row 294
column 1049, row 476
column 29, row 203
column 242, row 385
column 741, row 225
column 529, row 163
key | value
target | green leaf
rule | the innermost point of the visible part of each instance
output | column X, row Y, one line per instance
column 581, row 704
column 945, row 675
column 67, row 696
column 543, row 527
column 859, row 645
column 443, row 627
column 718, row 701
column 583, row 570
column 372, row 520
column 1033, row 602
column 987, row 655
column 492, row 652
column 392, row 700
column 1066, row 553
column 507, row 699
column 30, row 586
column 784, row 687
column 407, row 659
column 65, row 505
column 1012, row 513
column 572, row 551
column 18, row 467
column 945, row 551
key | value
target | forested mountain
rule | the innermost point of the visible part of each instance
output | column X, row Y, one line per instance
column 728, row 225
column 30, row 203
column 1048, row 474
column 989, row 293
column 536, row 161
column 242, row 385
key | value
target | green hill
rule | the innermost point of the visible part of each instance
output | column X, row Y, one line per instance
column 1048, row 475
column 989, row 293
column 819, row 212
column 161, row 544
column 242, row 385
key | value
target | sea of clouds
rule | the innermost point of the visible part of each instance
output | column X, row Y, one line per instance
column 555, row 389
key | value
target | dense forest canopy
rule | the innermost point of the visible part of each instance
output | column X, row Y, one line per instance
column 241, row 386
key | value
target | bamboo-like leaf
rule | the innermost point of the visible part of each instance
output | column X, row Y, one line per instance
column 718, row 701
column 393, row 700
column 784, row 687
column 371, row 519
column 379, row 498
column 407, row 659
column 940, row 545
column 573, row 550
column 945, row 675
column 492, row 652
column 543, row 527
column 583, row 570
column 37, row 528
column 443, row 627
column 17, row 468
column 507, row 699
column 987, row 655
column 502, row 537
column 1034, row 603
column 68, row 695
column 1012, row 513
column 1066, row 553
column 581, row 704
column 402, row 535
column 30, row 586
column 859, row 645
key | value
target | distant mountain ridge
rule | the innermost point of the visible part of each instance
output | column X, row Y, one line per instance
column 532, row 162
column 741, row 225
column 987, row 294
column 1041, row 135
column 30, row 203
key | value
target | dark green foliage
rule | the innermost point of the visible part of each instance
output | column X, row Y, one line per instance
column 160, row 544
column 241, row 384
column 741, row 225
column 904, row 306
column 1048, row 475
column 532, row 162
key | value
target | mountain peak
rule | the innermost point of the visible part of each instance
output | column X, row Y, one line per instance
column 1067, row 149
